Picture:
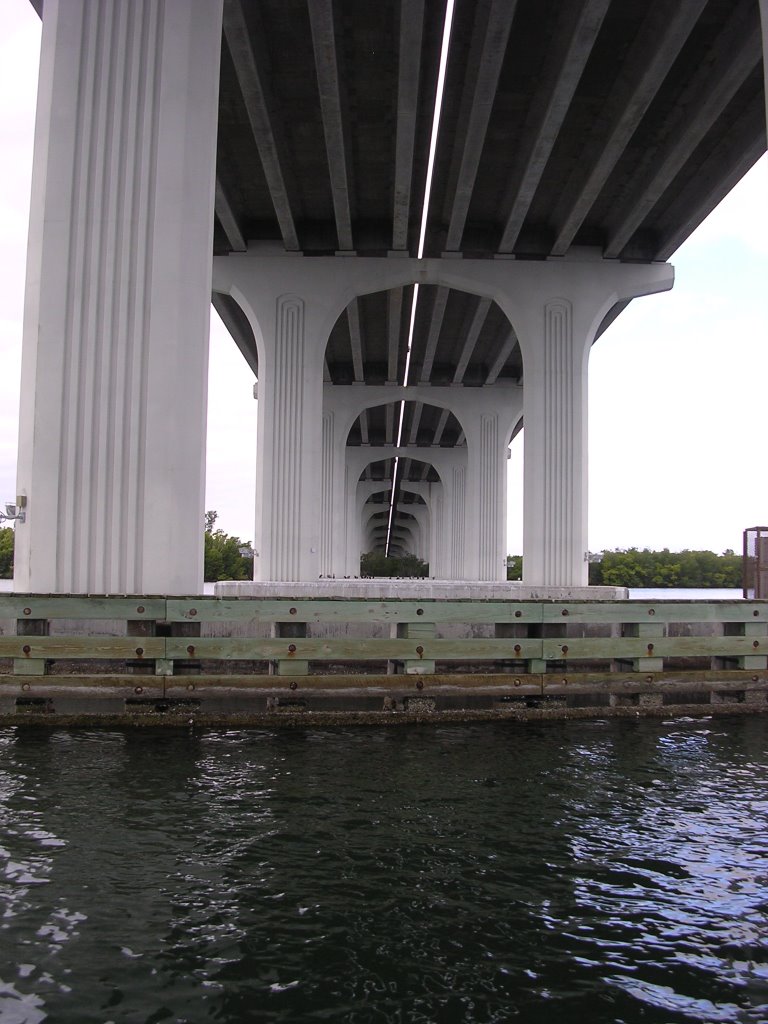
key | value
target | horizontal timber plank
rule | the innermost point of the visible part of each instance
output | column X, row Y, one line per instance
column 658, row 647
column 597, row 612
column 347, row 610
column 357, row 649
column 180, row 686
column 82, row 647
column 54, row 606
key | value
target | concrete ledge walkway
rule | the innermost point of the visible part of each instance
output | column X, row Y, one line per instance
column 418, row 590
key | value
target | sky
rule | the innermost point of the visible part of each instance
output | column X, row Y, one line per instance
column 678, row 385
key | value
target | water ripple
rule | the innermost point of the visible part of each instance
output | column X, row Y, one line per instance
column 609, row 871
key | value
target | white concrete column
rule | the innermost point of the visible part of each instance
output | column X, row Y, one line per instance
column 293, row 450
column 115, row 351
column 291, row 311
column 339, row 535
column 556, row 330
column 421, row 530
column 555, row 489
column 488, row 416
column 332, row 487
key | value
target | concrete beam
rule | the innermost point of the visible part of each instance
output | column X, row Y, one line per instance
column 504, row 353
column 726, row 165
column 228, row 220
column 570, row 50
column 435, row 326
column 655, row 49
column 256, row 95
column 394, row 322
column 408, row 72
column 329, row 86
column 736, row 54
column 487, row 50
column 481, row 315
column 356, row 341
column 240, row 330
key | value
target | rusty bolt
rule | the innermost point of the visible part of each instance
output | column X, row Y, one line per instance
column 139, row 651
column 518, row 614
column 138, row 689
column 192, row 612
column 28, row 611
column 650, row 648
column 293, row 685
column 518, row 648
column 755, row 643
column 419, row 611
column 419, row 651
column 517, row 682
column 651, row 611
column 291, row 611
column 191, row 649
column 25, row 686
column 140, row 609
column 564, row 611
column 291, row 648
column 564, row 648
column 26, row 648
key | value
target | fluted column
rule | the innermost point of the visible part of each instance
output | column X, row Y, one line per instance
column 115, row 350
column 555, row 414
column 291, row 451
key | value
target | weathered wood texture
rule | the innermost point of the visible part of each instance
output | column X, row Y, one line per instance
column 540, row 639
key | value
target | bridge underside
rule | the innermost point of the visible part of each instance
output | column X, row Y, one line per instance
column 398, row 349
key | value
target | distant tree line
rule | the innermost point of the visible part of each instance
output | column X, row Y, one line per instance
column 223, row 560
column 6, row 553
column 223, row 557
column 635, row 568
column 374, row 563
column 632, row 567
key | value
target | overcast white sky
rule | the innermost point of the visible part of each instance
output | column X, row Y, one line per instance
column 678, row 384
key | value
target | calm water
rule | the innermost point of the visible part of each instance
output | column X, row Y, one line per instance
column 552, row 872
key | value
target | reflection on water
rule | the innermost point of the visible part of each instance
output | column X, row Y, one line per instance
column 576, row 871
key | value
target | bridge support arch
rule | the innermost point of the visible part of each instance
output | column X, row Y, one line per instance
column 557, row 307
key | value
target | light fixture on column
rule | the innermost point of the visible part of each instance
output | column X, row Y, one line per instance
column 15, row 512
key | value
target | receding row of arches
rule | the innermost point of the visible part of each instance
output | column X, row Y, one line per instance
column 408, row 373
column 429, row 362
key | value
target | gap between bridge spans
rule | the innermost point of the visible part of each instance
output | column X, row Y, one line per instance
column 444, row 51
